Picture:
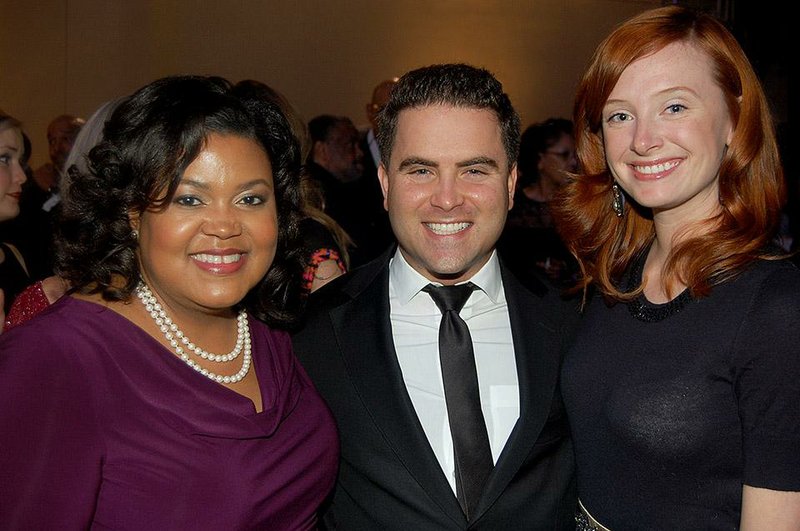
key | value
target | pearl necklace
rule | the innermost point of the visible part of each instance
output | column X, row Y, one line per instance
column 173, row 335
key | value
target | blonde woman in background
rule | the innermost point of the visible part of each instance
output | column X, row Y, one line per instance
column 13, row 270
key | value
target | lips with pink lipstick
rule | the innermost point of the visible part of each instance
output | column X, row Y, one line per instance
column 448, row 229
column 655, row 170
column 220, row 261
column 15, row 195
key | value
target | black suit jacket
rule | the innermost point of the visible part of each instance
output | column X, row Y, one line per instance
column 389, row 477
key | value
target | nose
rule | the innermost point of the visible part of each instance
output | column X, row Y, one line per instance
column 18, row 174
column 645, row 137
column 446, row 194
column 222, row 222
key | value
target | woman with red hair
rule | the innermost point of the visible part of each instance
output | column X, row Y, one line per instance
column 683, row 385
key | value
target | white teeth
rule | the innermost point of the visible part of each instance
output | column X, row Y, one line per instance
column 447, row 228
column 657, row 168
column 217, row 259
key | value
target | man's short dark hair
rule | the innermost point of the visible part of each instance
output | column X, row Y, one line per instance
column 459, row 85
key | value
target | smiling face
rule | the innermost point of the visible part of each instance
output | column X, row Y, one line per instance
column 448, row 189
column 665, row 129
column 12, row 175
column 218, row 235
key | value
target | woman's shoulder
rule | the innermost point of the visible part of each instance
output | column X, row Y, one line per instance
column 55, row 345
column 776, row 277
column 772, row 292
column 70, row 322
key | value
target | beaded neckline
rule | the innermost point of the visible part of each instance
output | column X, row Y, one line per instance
column 645, row 311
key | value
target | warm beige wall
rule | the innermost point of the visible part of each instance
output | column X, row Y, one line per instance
column 61, row 56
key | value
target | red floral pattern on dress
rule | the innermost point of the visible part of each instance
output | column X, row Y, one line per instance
column 317, row 257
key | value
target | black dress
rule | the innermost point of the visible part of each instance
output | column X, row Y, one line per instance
column 673, row 407
column 13, row 278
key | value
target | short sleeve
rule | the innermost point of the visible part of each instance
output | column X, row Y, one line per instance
column 50, row 457
column 767, row 383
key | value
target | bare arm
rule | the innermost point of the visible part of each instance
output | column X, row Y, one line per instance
column 775, row 510
column 324, row 273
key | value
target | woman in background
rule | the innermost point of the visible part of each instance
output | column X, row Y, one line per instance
column 45, row 292
column 325, row 242
column 530, row 241
column 162, row 392
column 683, row 384
column 13, row 270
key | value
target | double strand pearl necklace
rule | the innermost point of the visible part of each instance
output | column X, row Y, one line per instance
column 175, row 337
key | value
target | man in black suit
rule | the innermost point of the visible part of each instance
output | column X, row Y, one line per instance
column 449, row 138
column 375, row 219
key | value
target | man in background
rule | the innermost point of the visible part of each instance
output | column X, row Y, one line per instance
column 376, row 219
column 33, row 229
column 61, row 135
column 337, row 162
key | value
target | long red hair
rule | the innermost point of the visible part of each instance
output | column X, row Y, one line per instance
column 752, row 187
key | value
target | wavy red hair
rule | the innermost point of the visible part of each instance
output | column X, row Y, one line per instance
column 752, row 187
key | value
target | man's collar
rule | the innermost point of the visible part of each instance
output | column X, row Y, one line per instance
column 407, row 282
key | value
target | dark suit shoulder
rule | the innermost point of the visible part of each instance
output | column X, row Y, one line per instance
column 344, row 288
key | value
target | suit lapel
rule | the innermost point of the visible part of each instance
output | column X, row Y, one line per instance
column 364, row 335
column 536, row 344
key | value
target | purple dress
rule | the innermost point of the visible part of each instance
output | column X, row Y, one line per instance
column 102, row 427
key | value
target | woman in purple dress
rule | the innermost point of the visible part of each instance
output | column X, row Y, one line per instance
column 162, row 392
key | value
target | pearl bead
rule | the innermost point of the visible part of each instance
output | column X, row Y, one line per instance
column 173, row 335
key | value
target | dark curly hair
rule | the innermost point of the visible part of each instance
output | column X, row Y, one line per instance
column 148, row 142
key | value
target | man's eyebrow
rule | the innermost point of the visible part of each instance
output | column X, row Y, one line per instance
column 417, row 161
column 478, row 161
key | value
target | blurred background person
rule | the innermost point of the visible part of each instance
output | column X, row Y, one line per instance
column 325, row 242
column 42, row 293
column 33, row 231
column 530, row 241
column 61, row 135
column 682, row 386
column 337, row 163
column 13, row 270
column 375, row 219
column 181, row 238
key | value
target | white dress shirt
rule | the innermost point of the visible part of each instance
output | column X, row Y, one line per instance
column 415, row 328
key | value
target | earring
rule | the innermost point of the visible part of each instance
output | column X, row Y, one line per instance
column 618, row 200
column 135, row 235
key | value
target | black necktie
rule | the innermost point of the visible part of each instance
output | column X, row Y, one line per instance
column 473, row 455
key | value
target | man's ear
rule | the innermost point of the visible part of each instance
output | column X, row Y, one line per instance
column 319, row 152
column 383, row 177
column 512, row 185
